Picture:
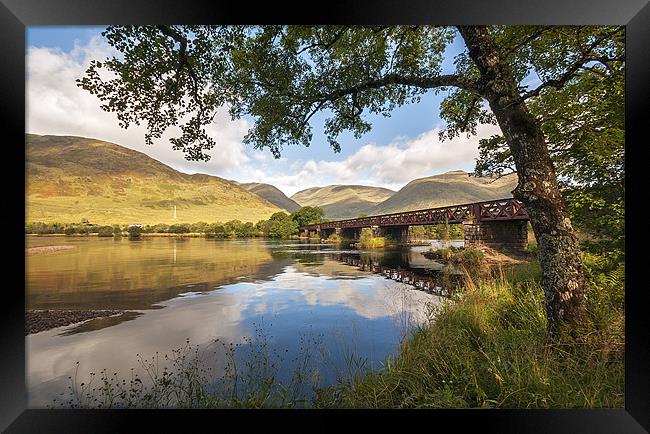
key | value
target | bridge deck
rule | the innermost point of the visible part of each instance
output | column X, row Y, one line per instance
column 493, row 210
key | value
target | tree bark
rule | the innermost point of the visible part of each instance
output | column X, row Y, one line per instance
column 559, row 252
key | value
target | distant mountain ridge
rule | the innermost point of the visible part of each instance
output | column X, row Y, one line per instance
column 450, row 188
column 343, row 201
column 71, row 178
column 271, row 194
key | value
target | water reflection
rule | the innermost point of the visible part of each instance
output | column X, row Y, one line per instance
column 427, row 280
column 204, row 290
column 122, row 274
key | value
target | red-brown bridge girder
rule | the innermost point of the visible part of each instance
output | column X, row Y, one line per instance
column 493, row 210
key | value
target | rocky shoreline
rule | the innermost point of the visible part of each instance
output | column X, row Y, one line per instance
column 41, row 320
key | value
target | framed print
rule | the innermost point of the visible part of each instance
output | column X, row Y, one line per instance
column 371, row 208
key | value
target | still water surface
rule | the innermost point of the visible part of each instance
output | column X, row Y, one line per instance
column 176, row 289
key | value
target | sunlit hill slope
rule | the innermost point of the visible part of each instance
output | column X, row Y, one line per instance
column 272, row 194
column 451, row 188
column 73, row 178
column 343, row 201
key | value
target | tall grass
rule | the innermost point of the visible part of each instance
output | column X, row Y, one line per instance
column 222, row 375
column 488, row 348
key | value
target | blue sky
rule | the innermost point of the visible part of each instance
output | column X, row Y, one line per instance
column 398, row 149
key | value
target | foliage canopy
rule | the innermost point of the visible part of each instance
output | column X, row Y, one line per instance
column 572, row 79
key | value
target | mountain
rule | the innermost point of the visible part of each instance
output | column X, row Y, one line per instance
column 271, row 194
column 72, row 178
column 343, row 201
column 451, row 188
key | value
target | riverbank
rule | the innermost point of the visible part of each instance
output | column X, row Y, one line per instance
column 489, row 349
column 158, row 234
column 41, row 320
column 479, row 253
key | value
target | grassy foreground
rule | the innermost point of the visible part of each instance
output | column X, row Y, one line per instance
column 489, row 349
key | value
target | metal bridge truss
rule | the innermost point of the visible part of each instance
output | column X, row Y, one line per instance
column 493, row 210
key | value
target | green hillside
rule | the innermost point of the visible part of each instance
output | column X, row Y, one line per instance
column 75, row 178
column 271, row 194
column 343, row 201
column 451, row 188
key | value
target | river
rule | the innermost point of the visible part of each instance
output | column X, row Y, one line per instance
column 177, row 290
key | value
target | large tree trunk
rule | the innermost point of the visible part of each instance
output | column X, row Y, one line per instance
column 559, row 252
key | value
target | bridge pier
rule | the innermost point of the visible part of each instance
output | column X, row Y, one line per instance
column 400, row 234
column 326, row 232
column 510, row 235
column 351, row 233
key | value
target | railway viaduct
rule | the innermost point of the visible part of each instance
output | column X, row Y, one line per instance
column 501, row 224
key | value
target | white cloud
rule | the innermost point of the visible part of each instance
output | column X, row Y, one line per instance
column 391, row 166
column 55, row 105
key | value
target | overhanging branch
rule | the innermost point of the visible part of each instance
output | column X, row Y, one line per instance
column 450, row 80
column 587, row 56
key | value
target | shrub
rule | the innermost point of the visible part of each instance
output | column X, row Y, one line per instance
column 105, row 231
column 308, row 215
column 231, row 227
column 334, row 238
column 44, row 228
column 216, row 230
column 160, row 229
column 83, row 230
column 444, row 254
column 245, row 230
column 468, row 256
column 134, row 232
column 281, row 225
column 200, row 227
column 260, row 227
column 179, row 229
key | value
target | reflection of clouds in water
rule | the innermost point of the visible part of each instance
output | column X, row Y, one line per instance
column 201, row 319
column 294, row 298
column 329, row 269
column 371, row 296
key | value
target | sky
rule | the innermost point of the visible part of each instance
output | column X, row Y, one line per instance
column 397, row 150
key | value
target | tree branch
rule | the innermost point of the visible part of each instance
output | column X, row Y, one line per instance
column 328, row 45
column 405, row 80
column 501, row 175
column 183, row 61
column 526, row 41
column 558, row 83
column 468, row 113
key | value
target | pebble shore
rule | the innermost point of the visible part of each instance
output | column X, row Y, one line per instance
column 41, row 320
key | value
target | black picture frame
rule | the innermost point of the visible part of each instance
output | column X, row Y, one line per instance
column 16, row 15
